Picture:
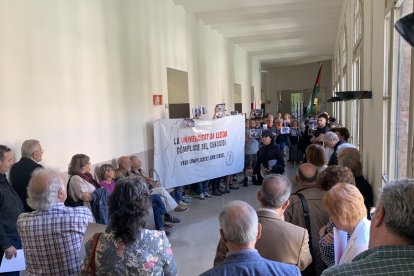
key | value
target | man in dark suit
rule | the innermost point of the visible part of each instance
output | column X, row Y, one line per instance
column 239, row 229
column 21, row 171
column 10, row 208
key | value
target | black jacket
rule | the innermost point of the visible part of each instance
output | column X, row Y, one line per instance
column 267, row 153
column 20, row 175
column 10, row 208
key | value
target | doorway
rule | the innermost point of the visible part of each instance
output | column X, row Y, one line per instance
column 178, row 99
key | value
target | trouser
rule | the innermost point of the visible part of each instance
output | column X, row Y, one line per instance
column 159, row 210
column 178, row 194
column 202, row 187
column 167, row 199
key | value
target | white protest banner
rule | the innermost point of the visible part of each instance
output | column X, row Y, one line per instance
column 210, row 149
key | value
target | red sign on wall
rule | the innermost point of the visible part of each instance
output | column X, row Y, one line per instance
column 157, row 99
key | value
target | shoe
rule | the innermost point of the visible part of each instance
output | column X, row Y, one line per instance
column 217, row 193
column 187, row 198
column 168, row 225
column 207, row 195
column 181, row 208
column 172, row 219
column 185, row 201
column 227, row 191
column 182, row 203
column 201, row 196
column 234, row 187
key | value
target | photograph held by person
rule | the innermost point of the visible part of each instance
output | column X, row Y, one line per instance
column 391, row 237
column 292, row 241
column 10, row 208
column 126, row 247
column 240, row 229
column 21, row 171
column 52, row 235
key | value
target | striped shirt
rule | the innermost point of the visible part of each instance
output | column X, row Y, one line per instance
column 52, row 239
column 381, row 260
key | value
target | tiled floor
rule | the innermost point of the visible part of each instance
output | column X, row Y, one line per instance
column 194, row 240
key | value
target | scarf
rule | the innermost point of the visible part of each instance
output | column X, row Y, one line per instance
column 88, row 177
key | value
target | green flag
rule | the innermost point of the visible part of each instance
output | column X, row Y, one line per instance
column 314, row 92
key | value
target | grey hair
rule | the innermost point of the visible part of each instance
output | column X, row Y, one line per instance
column 42, row 199
column 331, row 136
column 276, row 189
column 29, row 147
column 239, row 222
column 397, row 198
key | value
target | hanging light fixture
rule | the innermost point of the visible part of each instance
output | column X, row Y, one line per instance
column 405, row 27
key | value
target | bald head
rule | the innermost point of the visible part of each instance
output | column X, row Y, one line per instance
column 307, row 174
column 275, row 191
column 239, row 222
column 124, row 163
column 135, row 162
column 46, row 187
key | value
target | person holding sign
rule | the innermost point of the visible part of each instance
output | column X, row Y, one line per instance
column 251, row 147
column 270, row 157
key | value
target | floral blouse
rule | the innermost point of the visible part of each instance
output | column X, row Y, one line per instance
column 150, row 254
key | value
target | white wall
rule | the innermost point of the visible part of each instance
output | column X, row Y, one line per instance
column 298, row 77
column 79, row 75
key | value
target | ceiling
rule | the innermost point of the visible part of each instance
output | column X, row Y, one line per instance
column 277, row 32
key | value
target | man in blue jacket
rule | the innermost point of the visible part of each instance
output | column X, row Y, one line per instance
column 239, row 228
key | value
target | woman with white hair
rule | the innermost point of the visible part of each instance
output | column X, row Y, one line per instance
column 345, row 206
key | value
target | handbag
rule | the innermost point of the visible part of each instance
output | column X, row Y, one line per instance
column 155, row 182
column 91, row 262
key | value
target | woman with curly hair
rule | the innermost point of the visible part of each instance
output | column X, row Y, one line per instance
column 126, row 247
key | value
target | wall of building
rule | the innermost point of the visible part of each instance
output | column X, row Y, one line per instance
column 295, row 78
column 80, row 75
column 372, row 78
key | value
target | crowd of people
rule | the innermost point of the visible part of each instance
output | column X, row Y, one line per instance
column 325, row 227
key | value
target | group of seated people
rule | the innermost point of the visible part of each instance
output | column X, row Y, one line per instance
column 84, row 190
column 325, row 227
